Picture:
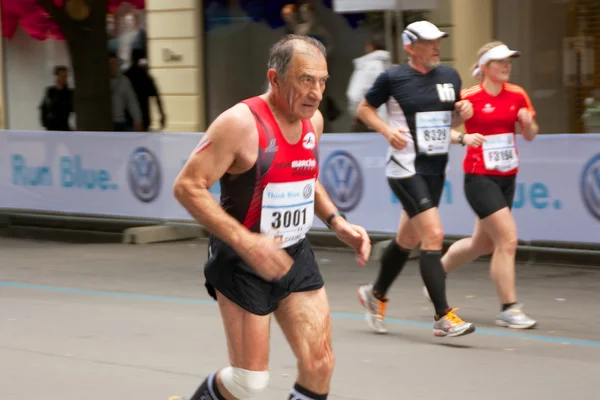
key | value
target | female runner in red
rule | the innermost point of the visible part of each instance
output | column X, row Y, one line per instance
column 490, row 174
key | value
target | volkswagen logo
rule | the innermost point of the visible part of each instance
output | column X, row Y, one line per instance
column 446, row 118
column 144, row 175
column 342, row 178
column 590, row 186
column 307, row 192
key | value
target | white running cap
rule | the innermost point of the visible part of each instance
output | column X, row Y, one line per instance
column 497, row 53
column 421, row 30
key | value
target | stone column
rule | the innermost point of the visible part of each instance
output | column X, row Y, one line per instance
column 473, row 26
column 175, row 55
column 3, row 96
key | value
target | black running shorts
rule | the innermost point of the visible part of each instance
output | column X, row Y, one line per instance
column 487, row 194
column 226, row 272
column 418, row 193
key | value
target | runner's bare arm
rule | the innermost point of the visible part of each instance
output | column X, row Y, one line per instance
column 455, row 136
column 377, row 95
column 353, row 235
column 215, row 155
column 397, row 137
column 526, row 118
column 530, row 132
column 324, row 207
column 528, row 124
column 468, row 139
column 368, row 115
column 457, row 121
column 463, row 110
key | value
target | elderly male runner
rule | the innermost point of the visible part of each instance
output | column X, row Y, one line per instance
column 423, row 100
column 264, row 151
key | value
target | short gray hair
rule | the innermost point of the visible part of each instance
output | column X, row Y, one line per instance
column 281, row 52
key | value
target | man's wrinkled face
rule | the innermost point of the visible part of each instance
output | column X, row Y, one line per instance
column 303, row 86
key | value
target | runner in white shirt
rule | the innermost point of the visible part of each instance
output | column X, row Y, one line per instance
column 423, row 105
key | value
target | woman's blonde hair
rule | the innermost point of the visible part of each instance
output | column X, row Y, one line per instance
column 485, row 48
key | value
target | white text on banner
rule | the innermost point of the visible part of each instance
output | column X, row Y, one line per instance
column 102, row 173
column 131, row 175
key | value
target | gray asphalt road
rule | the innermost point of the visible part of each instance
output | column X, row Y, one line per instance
column 109, row 321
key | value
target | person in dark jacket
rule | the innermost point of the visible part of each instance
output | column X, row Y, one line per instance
column 144, row 87
column 57, row 104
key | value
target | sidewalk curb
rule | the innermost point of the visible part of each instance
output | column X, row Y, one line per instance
column 117, row 232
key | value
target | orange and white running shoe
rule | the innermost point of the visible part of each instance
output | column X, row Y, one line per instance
column 452, row 325
column 374, row 308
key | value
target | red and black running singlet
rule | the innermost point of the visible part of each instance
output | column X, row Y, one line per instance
column 276, row 196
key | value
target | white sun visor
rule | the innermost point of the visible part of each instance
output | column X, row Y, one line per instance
column 497, row 53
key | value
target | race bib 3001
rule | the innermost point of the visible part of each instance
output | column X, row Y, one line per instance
column 288, row 210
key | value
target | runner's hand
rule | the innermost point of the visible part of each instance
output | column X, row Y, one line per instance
column 525, row 117
column 263, row 253
column 396, row 137
column 464, row 109
column 473, row 139
column 354, row 236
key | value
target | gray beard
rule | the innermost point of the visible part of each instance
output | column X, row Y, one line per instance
column 431, row 65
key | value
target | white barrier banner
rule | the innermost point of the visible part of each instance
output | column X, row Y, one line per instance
column 557, row 195
column 558, row 188
column 351, row 168
column 103, row 173
column 177, row 148
column 127, row 174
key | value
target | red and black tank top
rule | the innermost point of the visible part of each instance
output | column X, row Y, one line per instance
column 276, row 196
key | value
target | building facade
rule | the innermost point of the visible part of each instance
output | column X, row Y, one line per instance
column 207, row 55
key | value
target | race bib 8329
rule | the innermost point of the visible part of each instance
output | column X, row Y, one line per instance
column 433, row 131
